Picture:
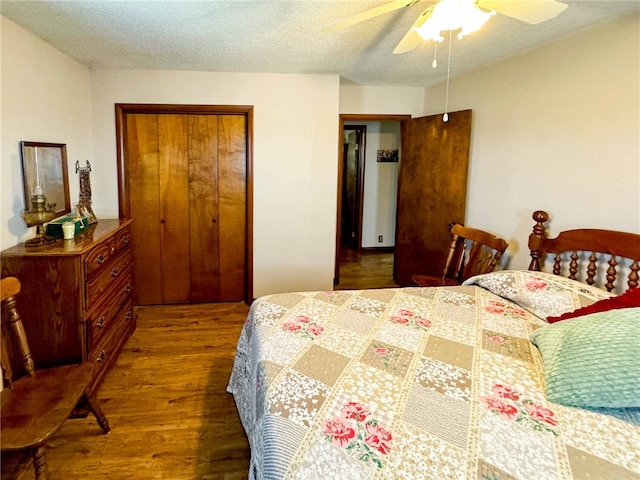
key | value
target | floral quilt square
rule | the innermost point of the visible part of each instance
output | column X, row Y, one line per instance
column 317, row 310
column 336, row 298
column 360, row 431
column 410, row 305
column 387, row 357
column 400, row 335
column 516, row 347
column 506, row 444
column 322, row 462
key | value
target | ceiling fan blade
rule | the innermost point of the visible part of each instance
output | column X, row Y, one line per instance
column 530, row 11
column 412, row 39
column 366, row 15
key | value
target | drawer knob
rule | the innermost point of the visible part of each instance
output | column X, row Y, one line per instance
column 125, row 240
column 127, row 289
column 100, row 259
column 128, row 315
column 114, row 272
column 101, row 355
column 101, row 321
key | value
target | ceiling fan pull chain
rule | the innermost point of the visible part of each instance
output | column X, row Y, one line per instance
column 445, row 117
column 434, row 64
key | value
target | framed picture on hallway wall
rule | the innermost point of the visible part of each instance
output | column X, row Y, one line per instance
column 387, row 155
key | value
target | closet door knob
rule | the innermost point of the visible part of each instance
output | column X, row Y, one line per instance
column 164, row 220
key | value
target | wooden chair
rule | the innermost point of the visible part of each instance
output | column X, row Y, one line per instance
column 35, row 405
column 471, row 252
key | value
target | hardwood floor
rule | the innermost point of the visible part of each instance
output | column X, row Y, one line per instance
column 367, row 269
column 166, row 400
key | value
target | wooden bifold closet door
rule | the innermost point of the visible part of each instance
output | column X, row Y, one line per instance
column 187, row 190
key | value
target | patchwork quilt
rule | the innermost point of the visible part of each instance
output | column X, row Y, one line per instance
column 419, row 383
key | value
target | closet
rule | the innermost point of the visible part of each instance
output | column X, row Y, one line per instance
column 184, row 184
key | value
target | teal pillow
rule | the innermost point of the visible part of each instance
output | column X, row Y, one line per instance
column 593, row 360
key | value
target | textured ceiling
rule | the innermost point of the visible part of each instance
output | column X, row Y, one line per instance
column 281, row 36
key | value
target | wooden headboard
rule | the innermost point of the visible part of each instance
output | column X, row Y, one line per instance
column 604, row 258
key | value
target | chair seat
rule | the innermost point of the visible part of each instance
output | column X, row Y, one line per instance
column 34, row 408
column 430, row 281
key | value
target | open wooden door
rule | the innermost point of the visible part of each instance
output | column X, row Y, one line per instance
column 432, row 191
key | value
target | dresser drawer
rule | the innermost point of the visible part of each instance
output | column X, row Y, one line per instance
column 106, row 348
column 99, row 257
column 116, row 269
column 122, row 239
column 101, row 319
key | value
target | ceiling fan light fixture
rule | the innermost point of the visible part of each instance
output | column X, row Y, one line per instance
column 463, row 15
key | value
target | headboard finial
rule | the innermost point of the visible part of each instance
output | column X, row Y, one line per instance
column 535, row 239
column 540, row 216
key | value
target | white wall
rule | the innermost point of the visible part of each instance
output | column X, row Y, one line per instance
column 45, row 98
column 295, row 137
column 557, row 129
column 379, row 100
column 380, row 184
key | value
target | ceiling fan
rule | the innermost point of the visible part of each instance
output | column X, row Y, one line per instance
column 467, row 15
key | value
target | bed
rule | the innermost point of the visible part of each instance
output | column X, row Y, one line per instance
column 446, row 382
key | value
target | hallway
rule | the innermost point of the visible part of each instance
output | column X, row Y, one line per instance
column 368, row 269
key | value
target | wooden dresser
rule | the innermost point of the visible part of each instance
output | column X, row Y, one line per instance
column 76, row 296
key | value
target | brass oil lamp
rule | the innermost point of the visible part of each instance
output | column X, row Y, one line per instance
column 40, row 213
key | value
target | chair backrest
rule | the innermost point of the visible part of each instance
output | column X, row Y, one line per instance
column 472, row 252
column 9, row 288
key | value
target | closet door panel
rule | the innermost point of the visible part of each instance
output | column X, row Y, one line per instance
column 144, row 205
column 174, row 207
column 232, row 171
column 203, row 207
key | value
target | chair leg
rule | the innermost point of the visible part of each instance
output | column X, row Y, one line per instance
column 94, row 406
column 40, row 462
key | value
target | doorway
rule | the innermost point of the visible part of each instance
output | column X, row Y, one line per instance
column 364, row 244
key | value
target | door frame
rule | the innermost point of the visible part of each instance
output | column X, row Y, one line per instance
column 121, row 112
column 351, row 117
column 361, row 141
